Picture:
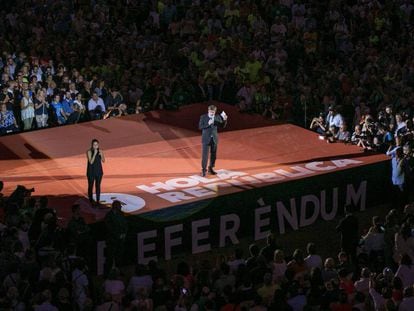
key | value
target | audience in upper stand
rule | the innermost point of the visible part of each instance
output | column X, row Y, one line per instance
column 349, row 63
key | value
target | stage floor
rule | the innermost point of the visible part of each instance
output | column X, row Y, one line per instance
column 165, row 148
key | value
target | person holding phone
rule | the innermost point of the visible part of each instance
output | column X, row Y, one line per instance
column 94, row 170
column 208, row 124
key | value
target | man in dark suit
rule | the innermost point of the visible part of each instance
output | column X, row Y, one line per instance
column 209, row 138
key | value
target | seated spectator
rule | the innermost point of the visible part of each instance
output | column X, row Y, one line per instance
column 8, row 122
column 96, row 107
column 343, row 135
column 318, row 124
column 114, row 99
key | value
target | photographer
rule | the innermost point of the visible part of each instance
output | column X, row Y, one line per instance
column 399, row 174
column 318, row 124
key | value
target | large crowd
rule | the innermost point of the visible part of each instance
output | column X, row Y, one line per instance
column 349, row 64
column 44, row 266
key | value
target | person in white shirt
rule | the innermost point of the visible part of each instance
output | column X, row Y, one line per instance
column 313, row 260
column 334, row 118
column 96, row 106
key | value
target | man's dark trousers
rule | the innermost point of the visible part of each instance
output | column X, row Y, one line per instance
column 212, row 145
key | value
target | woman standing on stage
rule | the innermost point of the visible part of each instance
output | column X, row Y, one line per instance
column 94, row 171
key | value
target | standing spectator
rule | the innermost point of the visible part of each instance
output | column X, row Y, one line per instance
column 349, row 229
column 41, row 109
column 313, row 260
column 116, row 229
column 27, row 110
column 269, row 249
column 8, row 122
column 80, row 233
column 67, row 104
column 59, row 112
column 279, row 266
column 399, row 172
column 334, row 118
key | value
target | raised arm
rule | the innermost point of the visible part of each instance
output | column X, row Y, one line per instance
column 222, row 122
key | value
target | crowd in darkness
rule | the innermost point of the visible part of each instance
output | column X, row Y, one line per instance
column 348, row 63
column 44, row 266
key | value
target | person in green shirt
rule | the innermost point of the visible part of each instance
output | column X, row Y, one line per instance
column 252, row 68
